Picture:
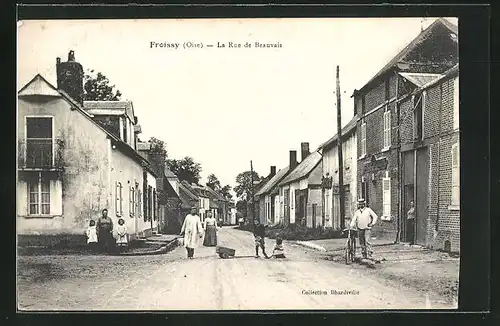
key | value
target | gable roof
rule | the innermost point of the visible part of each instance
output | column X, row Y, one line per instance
column 351, row 126
column 273, row 181
column 303, row 169
column 124, row 147
column 216, row 194
column 43, row 87
column 419, row 79
column 410, row 47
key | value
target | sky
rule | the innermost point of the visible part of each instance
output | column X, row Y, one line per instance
column 226, row 106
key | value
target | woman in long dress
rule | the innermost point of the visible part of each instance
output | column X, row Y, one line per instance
column 210, row 231
column 192, row 230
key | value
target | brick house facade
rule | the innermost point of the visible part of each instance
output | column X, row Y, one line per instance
column 439, row 225
column 381, row 181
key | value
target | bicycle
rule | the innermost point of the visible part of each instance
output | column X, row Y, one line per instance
column 350, row 246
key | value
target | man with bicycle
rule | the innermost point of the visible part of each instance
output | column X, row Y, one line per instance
column 364, row 218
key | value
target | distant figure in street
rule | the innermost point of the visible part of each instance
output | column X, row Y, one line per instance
column 104, row 232
column 278, row 250
column 364, row 218
column 91, row 234
column 210, row 231
column 192, row 230
column 259, row 235
column 410, row 226
column 121, row 235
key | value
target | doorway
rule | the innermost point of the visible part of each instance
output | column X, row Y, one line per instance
column 408, row 195
column 422, row 183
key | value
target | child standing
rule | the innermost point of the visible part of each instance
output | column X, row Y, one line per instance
column 278, row 251
column 91, row 234
column 259, row 234
column 121, row 231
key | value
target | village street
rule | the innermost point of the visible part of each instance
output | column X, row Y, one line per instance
column 172, row 282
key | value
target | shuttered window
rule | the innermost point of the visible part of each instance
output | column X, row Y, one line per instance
column 132, row 201
column 455, row 175
column 386, row 188
column 139, row 203
column 363, row 139
column 118, row 199
column 387, row 129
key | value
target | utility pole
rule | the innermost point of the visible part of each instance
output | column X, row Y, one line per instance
column 251, row 192
column 341, row 159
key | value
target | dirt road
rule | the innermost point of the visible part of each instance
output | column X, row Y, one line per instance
column 304, row 280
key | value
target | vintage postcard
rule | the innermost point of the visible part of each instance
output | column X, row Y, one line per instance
column 238, row 164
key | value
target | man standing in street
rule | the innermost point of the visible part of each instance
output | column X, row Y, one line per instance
column 364, row 218
column 192, row 230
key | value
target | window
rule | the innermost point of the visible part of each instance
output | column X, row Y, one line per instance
column 364, row 191
column 456, row 104
column 455, row 176
column 131, row 201
column 124, row 125
column 119, row 199
column 418, row 117
column 39, row 142
column 363, row 139
column 386, row 199
column 39, row 196
column 387, row 129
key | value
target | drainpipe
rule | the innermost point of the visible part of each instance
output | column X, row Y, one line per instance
column 400, row 199
column 439, row 155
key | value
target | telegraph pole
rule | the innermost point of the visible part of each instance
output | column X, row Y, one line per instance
column 251, row 192
column 341, row 159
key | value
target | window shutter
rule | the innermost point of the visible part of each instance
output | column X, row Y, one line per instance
column 55, row 197
column 121, row 199
column 117, row 199
column 386, row 185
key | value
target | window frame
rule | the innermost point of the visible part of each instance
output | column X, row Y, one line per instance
column 26, row 117
column 39, row 191
column 363, row 139
column 387, row 129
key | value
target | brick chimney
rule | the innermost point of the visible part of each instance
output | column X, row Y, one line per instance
column 70, row 77
column 293, row 160
column 304, row 150
column 273, row 171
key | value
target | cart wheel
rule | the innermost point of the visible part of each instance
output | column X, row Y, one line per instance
column 224, row 255
column 221, row 255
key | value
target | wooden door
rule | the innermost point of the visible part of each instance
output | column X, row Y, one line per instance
column 422, row 187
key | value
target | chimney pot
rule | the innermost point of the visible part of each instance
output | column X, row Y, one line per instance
column 58, row 60
column 273, row 171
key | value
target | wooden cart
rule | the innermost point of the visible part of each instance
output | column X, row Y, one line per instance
column 225, row 252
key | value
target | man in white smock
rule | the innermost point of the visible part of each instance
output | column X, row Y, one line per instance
column 192, row 230
column 364, row 218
